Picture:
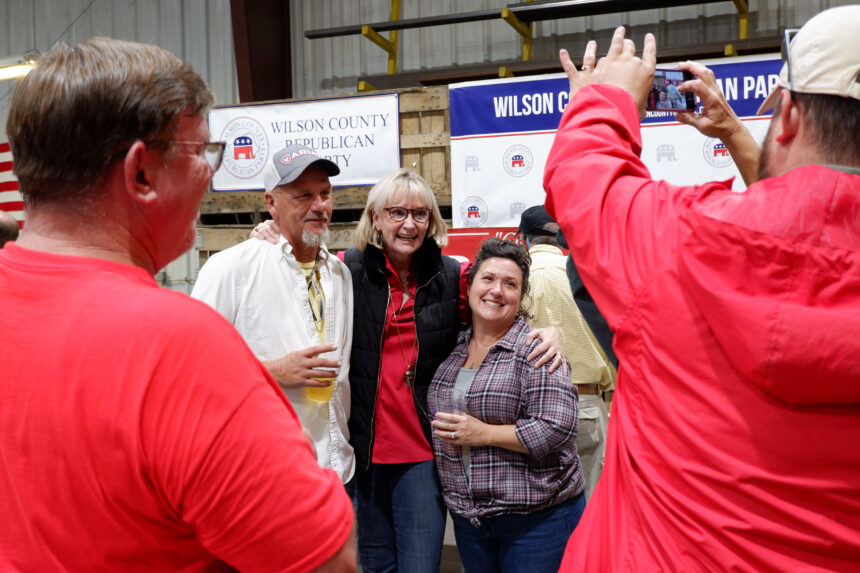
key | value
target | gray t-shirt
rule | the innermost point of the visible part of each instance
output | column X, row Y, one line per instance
column 465, row 377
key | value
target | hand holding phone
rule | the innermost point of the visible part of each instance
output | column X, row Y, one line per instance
column 664, row 94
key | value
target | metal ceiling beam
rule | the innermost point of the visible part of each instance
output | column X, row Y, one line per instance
column 526, row 12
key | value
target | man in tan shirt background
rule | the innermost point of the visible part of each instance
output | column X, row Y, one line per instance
column 550, row 302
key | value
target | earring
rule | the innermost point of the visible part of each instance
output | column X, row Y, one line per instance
column 379, row 237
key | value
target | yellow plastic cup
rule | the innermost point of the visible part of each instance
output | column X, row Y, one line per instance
column 321, row 393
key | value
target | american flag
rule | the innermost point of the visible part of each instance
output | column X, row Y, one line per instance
column 10, row 199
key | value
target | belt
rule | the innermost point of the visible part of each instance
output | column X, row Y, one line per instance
column 592, row 388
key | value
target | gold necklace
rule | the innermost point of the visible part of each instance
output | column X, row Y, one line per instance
column 409, row 375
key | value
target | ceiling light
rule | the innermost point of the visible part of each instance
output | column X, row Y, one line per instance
column 18, row 66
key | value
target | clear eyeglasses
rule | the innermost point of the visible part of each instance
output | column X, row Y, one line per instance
column 213, row 151
column 397, row 214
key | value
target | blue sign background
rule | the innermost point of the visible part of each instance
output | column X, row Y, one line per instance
column 537, row 105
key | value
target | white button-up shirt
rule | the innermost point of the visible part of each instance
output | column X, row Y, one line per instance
column 260, row 288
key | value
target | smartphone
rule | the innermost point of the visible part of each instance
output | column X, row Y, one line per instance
column 664, row 94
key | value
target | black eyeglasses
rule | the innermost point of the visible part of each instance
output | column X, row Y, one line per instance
column 398, row 214
column 213, row 151
column 788, row 36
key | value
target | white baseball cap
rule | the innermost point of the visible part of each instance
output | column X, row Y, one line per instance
column 824, row 57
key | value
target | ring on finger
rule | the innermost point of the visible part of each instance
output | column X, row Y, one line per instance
column 453, row 435
column 585, row 67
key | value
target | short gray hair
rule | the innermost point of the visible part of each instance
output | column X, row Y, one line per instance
column 84, row 105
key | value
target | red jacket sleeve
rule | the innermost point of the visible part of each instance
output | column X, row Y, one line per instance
column 620, row 224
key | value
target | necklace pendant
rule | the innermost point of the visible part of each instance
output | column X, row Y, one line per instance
column 409, row 376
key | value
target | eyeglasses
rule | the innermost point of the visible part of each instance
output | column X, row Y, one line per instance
column 398, row 214
column 213, row 151
column 788, row 36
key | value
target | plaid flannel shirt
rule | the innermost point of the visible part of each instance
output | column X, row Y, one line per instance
column 507, row 389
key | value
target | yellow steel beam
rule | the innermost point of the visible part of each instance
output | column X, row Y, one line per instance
column 388, row 44
column 392, row 36
column 364, row 86
column 524, row 30
column 505, row 72
column 374, row 37
column 744, row 18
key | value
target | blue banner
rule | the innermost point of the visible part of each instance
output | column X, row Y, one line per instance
column 536, row 105
column 502, row 131
column 513, row 106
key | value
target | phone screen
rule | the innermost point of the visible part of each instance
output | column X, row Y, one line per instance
column 664, row 94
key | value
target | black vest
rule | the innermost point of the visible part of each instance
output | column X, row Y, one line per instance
column 436, row 324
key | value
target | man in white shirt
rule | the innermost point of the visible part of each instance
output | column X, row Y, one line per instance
column 292, row 301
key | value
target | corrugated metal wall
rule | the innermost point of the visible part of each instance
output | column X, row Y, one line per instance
column 333, row 65
column 198, row 31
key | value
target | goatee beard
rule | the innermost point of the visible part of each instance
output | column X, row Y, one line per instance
column 315, row 239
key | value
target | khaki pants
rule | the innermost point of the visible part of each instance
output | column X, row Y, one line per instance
column 591, row 439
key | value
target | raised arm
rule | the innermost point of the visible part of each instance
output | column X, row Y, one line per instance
column 620, row 67
column 717, row 119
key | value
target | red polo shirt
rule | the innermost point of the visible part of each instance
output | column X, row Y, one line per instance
column 398, row 437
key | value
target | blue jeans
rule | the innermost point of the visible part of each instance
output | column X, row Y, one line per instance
column 401, row 518
column 515, row 542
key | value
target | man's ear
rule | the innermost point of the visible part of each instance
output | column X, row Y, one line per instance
column 138, row 173
column 789, row 118
column 270, row 203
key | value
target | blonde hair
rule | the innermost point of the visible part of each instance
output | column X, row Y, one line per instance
column 397, row 185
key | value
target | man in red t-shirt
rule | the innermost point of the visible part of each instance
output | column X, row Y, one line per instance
column 137, row 431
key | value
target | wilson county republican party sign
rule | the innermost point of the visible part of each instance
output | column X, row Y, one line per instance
column 361, row 134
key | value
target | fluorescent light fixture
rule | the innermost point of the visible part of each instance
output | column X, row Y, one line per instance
column 18, row 66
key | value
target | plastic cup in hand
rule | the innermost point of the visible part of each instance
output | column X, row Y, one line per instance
column 320, row 393
column 323, row 393
column 458, row 401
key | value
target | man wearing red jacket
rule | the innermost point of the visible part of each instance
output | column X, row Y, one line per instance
column 735, row 315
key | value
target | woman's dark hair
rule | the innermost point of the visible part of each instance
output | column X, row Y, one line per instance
column 500, row 248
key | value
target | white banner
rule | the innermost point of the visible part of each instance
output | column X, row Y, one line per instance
column 361, row 134
column 502, row 131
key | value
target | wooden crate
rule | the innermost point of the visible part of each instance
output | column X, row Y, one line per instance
column 424, row 146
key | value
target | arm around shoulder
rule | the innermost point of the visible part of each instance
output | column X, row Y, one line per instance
column 551, row 410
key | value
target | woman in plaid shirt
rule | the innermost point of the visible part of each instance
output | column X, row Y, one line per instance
column 505, row 432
